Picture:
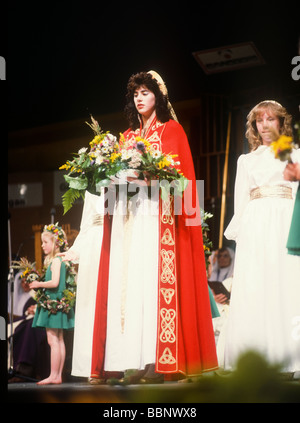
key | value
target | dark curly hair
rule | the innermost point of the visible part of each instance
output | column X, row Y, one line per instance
column 161, row 101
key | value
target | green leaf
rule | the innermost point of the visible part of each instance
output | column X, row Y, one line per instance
column 164, row 192
column 79, row 182
column 183, row 183
column 69, row 197
column 103, row 183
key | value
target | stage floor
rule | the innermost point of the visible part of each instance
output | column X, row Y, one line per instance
column 83, row 392
column 209, row 389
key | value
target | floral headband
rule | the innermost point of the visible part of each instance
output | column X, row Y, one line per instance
column 59, row 234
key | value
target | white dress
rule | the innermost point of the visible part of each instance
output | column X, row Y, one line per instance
column 133, row 285
column 87, row 247
column 265, row 299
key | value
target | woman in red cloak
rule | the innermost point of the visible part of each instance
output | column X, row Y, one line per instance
column 152, row 307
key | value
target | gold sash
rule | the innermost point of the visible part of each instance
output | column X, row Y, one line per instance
column 276, row 191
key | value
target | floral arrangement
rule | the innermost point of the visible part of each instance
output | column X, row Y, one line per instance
column 43, row 300
column 110, row 158
column 59, row 233
column 30, row 274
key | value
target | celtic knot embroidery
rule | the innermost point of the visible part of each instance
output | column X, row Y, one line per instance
column 167, row 210
column 167, row 238
column 167, row 325
column 154, row 137
column 167, row 294
column 167, row 357
column 168, row 266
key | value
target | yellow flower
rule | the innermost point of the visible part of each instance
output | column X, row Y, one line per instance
column 114, row 156
column 284, row 144
column 121, row 139
column 164, row 162
column 27, row 270
column 95, row 140
column 65, row 166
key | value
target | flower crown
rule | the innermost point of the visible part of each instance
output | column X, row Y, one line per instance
column 59, row 234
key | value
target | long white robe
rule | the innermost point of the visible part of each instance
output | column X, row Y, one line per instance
column 87, row 247
column 265, row 299
column 133, row 286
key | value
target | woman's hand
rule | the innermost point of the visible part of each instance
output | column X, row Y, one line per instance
column 221, row 299
column 68, row 255
column 141, row 182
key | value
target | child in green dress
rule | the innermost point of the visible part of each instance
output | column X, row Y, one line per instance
column 55, row 320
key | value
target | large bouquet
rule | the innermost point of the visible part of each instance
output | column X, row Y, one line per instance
column 43, row 300
column 109, row 158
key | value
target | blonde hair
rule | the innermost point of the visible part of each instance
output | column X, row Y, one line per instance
column 59, row 240
column 276, row 109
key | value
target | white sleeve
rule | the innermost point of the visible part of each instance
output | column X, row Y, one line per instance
column 296, row 155
column 241, row 198
column 89, row 213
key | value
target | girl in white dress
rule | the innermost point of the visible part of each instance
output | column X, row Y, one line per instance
column 265, row 298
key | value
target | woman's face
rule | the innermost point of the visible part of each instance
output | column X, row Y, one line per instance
column 264, row 121
column 144, row 101
column 224, row 258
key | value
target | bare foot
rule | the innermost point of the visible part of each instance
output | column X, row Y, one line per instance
column 49, row 380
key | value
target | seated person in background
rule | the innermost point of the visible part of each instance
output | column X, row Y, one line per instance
column 31, row 352
column 222, row 272
column 222, row 269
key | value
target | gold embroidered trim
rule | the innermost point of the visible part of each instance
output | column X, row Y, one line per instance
column 277, row 191
column 167, row 325
column 167, row 238
column 167, row 357
column 167, row 294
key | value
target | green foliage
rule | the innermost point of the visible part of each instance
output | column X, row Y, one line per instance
column 70, row 197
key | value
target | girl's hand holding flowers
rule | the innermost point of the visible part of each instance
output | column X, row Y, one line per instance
column 35, row 285
column 292, row 172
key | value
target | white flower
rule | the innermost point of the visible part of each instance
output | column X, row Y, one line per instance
column 110, row 138
column 170, row 159
column 82, row 150
column 135, row 162
column 99, row 160
column 126, row 154
column 156, row 154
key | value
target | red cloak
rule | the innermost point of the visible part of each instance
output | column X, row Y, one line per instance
column 185, row 337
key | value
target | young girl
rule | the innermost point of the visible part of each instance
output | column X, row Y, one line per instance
column 54, row 242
